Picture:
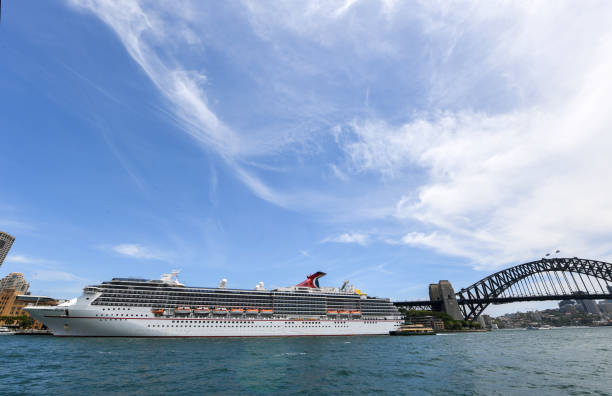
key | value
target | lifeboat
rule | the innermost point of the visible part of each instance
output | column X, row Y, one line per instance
column 332, row 312
column 355, row 314
column 252, row 311
column 182, row 310
column 157, row 312
column 267, row 311
column 201, row 311
column 220, row 311
column 236, row 311
column 344, row 313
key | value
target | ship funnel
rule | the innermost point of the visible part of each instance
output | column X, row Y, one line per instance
column 312, row 281
column 223, row 283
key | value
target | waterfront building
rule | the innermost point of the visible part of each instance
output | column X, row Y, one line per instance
column 14, row 281
column 7, row 302
column 588, row 306
column 568, row 306
column 6, row 241
column 534, row 316
column 605, row 307
column 427, row 321
column 12, row 304
column 487, row 320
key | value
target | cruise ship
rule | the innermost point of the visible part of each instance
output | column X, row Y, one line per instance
column 128, row 307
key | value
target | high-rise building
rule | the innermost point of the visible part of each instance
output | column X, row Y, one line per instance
column 588, row 305
column 568, row 306
column 14, row 281
column 6, row 241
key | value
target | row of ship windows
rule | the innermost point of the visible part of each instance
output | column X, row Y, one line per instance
column 247, row 304
column 348, row 304
column 179, row 300
column 217, row 292
column 161, row 289
column 230, row 295
column 245, row 325
column 216, row 295
column 314, row 313
column 281, row 311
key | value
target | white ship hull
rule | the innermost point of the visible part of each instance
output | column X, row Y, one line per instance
column 98, row 321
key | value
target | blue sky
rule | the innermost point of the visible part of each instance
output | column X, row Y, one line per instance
column 389, row 143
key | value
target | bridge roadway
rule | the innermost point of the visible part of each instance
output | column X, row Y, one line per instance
column 542, row 280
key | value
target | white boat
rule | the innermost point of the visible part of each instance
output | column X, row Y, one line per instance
column 127, row 307
column 6, row 331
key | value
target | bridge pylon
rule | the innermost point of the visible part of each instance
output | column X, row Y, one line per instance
column 443, row 293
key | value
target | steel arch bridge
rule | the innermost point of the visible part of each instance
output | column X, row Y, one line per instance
column 545, row 279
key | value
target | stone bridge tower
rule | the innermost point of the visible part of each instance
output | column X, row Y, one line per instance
column 444, row 293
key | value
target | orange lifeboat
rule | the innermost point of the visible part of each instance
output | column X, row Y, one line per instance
column 356, row 313
column 332, row 312
column 182, row 310
column 201, row 311
column 267, row 311
column 344, row 313
column 252, row 311
column 236, row 311
column 157, row 312
column 220, row 311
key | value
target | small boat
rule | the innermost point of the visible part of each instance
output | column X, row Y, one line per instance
column 252, row 311
column 236, row 311
column 182, row 310
column 6, row 331
column 344, row 313
column 201, row 311
column 411, row 330
column 157, row 311
column 332, row 312
column 356, row 313
column 220, row 311
column 267, row 311
column 545, row 327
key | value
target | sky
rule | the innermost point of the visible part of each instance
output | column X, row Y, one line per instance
column 390, row 143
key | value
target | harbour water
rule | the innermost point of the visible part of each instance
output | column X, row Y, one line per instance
column 559, row 361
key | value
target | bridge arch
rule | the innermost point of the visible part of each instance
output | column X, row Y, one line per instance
column 545, row 279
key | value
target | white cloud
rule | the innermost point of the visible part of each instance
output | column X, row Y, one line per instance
column 21, row 259
column 136, row 251
column 350, row 237
column 501, row 155
column 509, row 186
column 48, row 275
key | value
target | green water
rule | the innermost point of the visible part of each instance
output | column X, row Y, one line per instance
column 558, row 361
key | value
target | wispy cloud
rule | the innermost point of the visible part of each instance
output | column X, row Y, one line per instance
column 349, row 237
column 49, row 275
column 12, row 224
column 487, row 135
column 137, row 251
column 21, row 259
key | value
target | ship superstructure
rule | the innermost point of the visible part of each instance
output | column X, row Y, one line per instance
column 166, row 307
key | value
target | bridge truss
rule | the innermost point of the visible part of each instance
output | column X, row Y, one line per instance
column 542, row 280
column 546, row 279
